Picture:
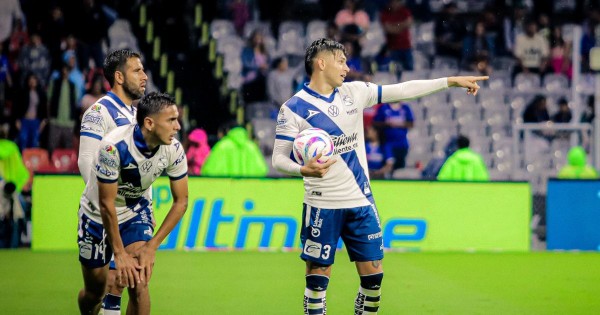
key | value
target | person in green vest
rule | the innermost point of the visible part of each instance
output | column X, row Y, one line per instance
column 464, row 164
column 12, row 168
column 235, row 155
column 577, row 167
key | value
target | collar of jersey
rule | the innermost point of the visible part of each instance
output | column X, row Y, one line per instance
column 120, row 102
column 317, row 95
column 140, row 143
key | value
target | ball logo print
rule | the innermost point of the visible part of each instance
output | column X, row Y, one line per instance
column 310, row 142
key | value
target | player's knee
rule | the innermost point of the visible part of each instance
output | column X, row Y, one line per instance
column 317, row 282
column 139, row 292
column 371, row 282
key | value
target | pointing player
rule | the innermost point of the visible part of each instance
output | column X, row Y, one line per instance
column 125, row 73
column 115, row 214
column 338, row 201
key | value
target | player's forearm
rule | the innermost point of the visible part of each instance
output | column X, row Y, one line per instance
column 412, row 89
column 110, row 223
column 281, row 161
column 175, row 214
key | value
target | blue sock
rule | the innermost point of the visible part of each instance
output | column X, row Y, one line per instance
column 369, row 294
column 314, row 295
column 111, row 304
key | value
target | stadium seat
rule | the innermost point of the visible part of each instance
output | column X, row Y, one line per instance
column 424, row 39
column 382, row 78
column 263, row 27
column 421, row 63
column 120, row 36
column 230, row 45
column 527, row 82
column 499, row 80
column 65, row 160
column 374, row 38
column 441, row 62
column 417, row 74
column 37, row 160
column 221, row 28
column 264, row 130
column 556, row 83
column 315, row 29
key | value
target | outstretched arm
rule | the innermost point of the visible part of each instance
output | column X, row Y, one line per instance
column 418, row 88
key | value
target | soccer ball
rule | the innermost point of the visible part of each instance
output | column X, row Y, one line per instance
column 310, row 142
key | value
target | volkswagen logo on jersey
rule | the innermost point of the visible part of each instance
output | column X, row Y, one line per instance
column 333, row 111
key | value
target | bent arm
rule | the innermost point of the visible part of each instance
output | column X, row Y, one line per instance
column 281, row 160
column 107, row 194
column 179, row 189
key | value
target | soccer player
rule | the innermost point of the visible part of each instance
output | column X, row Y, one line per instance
column 125, row 73
column 338, row 201
column 115, row 214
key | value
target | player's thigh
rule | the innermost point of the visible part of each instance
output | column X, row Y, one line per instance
column 362, row 234
column 136, row 231
column 319, row 234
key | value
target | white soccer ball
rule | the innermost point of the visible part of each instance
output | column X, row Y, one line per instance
column 309, row 143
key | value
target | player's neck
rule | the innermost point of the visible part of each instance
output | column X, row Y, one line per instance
column 150, row 139
column 320, row 86
column 122, row 96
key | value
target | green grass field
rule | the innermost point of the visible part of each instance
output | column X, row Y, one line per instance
column 273, row 283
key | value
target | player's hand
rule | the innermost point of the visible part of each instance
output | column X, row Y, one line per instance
column 127, row 270
column 469, row 82
column 316, row 169
column 145, row 256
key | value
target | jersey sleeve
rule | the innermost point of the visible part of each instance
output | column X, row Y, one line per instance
column 366, row 93
column 107, row 163
column 178, row 167
column 287, row 125
column 93, row 128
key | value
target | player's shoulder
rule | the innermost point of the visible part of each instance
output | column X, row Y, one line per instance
column 119, row 133
column 354, row 85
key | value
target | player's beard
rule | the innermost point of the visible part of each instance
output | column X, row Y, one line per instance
column 131, row 91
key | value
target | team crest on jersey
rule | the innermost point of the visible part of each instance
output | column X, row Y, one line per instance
column 348, row 101
column 96, row 107
column 146, row 166
column 110, row 149
column 333, row 111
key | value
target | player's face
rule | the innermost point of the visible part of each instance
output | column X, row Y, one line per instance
column 336, row 68
column 166, row 125
column 134, row 84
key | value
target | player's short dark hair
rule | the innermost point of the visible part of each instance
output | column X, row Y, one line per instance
column 318, row 46
column 152, row 104
column 462, row 142
column 116, row 60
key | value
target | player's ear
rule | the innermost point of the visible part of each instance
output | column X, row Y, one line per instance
column 119, row 78
column 148, row 123
column 321, row 63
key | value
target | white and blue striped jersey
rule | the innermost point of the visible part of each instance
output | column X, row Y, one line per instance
column 108, row 113
column 124, row 157
column 346, row 185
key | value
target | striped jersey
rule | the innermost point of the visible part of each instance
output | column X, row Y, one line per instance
column 346, row 185
column 108, row 113
column 124, row 157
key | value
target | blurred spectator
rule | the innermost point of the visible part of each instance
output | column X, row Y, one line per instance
column 197, row 151
column 5, row 83
column 31, row 113
column 35, row 58
column 53, row 30
column 62, row 95
column 235, row 155
column 564, row 114
column 514, row 25
column 379, row 156
column 421, row 10
column 449, row 32
column 90, row 26
column 11, row 12
column 18, row 39
column 395, row 119
column 75, row 74
column 536, row 111
column 240, row 14
column 577, row 167
column 464, row 164
column 432, row 169
column 588, row 114
column 478, row 50
column 255, row 65
column 560, row 53
column 544, row 28
column 396, row 20
column 351, row 13
column 280, row 81
column 332, row 31
column 532, row 51
column 354, row 62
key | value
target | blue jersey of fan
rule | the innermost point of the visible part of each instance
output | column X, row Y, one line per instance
column 106, row 114
column 346, row 185
column 123, row 157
